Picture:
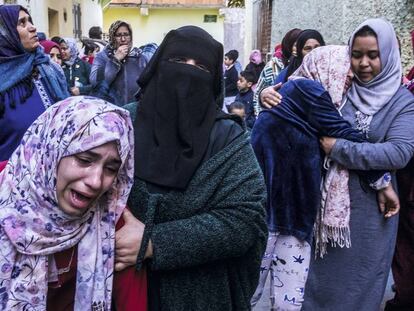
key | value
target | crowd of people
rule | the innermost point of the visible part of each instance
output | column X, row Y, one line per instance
column 169, row 178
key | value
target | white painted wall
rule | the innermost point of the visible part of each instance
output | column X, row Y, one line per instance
column 91, row 14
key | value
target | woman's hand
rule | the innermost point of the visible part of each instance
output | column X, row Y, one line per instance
column 121, row 52
column 75, row 91
column 128, row 242
column 327, row 144
column 269, row 97
column 388, row 201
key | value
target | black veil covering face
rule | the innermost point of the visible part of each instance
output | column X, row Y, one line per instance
column 178, row 107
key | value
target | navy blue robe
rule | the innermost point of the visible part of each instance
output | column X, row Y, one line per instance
column 286, row 142
column 16, row 121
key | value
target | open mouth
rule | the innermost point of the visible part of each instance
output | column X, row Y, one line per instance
column 80, row 200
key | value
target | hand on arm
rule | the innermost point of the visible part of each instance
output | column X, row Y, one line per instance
column 128, row 242
column 269, row 97
column 327, row 144
column 388, row 201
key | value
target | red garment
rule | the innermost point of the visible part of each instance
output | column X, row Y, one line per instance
column 2, row 165
column 61, row 294
column 130, row 286
column 88, row 59
column 410, row 75
column 48, row 45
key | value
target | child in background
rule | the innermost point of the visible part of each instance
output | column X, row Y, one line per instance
column 90, row 50
column 237, row 108
column 230, row 78
column 245, row 95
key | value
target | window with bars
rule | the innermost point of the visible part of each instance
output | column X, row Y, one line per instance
column 77, row 27
column 262, row 11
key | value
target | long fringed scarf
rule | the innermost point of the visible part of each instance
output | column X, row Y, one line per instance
column 332, row 221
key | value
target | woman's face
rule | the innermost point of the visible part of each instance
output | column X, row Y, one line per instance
column 55, row 55
column 65, row 51
column 365, row 58
column 84, row 177
column 27, row 32
column 310, row 44
column 294, row 50
column 122, row 36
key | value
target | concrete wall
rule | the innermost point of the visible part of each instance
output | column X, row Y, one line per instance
column 154, row 26
column 336, row 19
column 235, row 32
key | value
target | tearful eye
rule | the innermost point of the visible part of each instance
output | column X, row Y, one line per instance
column 83, row 160
column 112, row 170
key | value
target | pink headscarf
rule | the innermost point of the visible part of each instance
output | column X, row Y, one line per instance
column 256, row 57
column 48, row 45
column 278, row 51
column 329, row 65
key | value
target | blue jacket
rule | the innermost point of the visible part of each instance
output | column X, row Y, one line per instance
column 247, row 99
column 116, row 81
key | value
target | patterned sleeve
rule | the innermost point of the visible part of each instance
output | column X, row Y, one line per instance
column 266, row 78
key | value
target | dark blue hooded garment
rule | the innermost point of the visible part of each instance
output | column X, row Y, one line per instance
column 286, row 142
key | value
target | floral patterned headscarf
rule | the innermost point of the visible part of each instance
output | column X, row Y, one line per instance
column 113, row 29
column 33, row 228
column 74, row 51
column 328, row 65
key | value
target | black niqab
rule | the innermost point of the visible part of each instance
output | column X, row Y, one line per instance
column 178, row 107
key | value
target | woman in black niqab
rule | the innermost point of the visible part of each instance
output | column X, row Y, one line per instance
column 178, row 107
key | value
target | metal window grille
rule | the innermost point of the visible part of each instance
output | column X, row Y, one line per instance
column 77, row 26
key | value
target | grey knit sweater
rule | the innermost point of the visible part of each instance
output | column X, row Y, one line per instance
column 209, row 239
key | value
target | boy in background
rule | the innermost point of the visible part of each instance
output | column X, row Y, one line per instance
column 245, row 96
column 230, row 78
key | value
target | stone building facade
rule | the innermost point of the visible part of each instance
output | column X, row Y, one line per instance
column 336, row 19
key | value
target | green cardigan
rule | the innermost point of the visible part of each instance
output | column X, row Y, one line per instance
column 208, row 240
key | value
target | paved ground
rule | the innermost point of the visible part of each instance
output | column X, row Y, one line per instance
column 264, row 305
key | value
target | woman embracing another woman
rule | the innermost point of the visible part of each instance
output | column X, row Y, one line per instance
column 378, row 106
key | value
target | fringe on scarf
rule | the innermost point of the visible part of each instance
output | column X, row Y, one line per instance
column 335, row 236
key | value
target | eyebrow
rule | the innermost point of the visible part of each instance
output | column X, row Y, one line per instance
column 23, row 19
column 98, row 156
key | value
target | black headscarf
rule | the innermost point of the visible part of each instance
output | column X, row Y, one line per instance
column 304, row 36
column 287, row 44
column 178, row 107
